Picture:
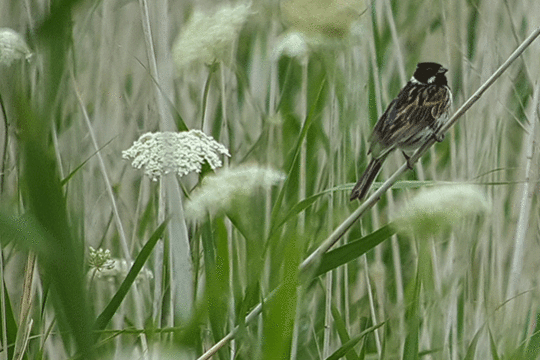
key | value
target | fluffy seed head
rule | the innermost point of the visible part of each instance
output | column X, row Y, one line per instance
column 330, row 18
column 206, row 39
column 12, row 46
column 171, row 152
column 292, row 44
column 440, row 207
column 218, row 192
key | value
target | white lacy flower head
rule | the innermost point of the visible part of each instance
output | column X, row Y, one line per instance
column 118, row 271
column 330, row 18
column 218, row 192
column 206, row 39
column 292, row 44
column 12, row 46
column 438, row 208
column 162, row 153
column 100, row 259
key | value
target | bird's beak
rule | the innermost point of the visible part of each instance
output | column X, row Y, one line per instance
column 443, row 70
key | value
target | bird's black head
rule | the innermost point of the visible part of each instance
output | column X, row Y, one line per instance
column 430, row 73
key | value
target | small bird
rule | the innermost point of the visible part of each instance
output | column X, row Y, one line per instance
column 415, row 115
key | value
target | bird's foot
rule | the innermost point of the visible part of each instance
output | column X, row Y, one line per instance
column 438, row 137
column 408, row 158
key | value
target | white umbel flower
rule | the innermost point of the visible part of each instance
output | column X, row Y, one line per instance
column 118, row 271
column 292, row 44
column 330, row 18
column 206, row 39
column 440, row 207
column 100, row 259
column 162, row 153
column 218, row 192
column 12, row 47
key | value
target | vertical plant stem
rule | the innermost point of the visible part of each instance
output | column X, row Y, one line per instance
column 395, row 37
column 5, row 146
column 3, row 354
column 303, row 116
column 25, row 323
column 206, row 90
column 327, row 315
column 158, row 260
column 526, row 200
column 372, row 305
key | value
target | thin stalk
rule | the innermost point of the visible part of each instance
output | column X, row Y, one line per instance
column 303, row 155
column 395, row 38
column 205, row 96
column 25, row 322
column 526, row 200
column 3, row 354
column 5, row 147
column 327, row 315
column 372, row 305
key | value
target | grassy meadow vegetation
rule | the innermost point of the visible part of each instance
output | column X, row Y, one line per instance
column 201, row 249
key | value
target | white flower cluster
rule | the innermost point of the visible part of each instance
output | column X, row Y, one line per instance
column 218, row 192
column 206, row 39
column 292, row 44
column 118, row 271
column 162, row 153
column 100, row 259
column 435, row 209
column 12, row 47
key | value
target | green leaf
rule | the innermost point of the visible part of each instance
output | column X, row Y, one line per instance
column 343, row 334
column 493, row 346
column 412, row 318
column 353, row 250
column 107, row 314
column 533, row 345
column 297, row 209
column 345, row 348
column 71, row 174
column 294, row 155
column 11, row 324
column 280, row 310
column 471, row 350
column 217, row 281
column 60, row 255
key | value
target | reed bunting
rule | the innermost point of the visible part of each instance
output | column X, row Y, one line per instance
column 415, row 115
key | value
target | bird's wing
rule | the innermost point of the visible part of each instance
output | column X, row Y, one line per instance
column 407, row 115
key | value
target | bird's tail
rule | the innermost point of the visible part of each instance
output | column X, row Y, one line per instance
column 364, row 183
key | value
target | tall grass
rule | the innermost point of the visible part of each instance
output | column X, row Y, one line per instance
column 102, row 75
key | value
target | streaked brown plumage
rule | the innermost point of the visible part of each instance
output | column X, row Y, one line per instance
column 415, row 115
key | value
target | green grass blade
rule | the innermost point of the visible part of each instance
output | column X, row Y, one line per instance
column 345, row 348
column 343, row 334
column 71, row 174
column 107, row 314
column 471, row 350
column 493, row 346
column 11, row 324
column 293, row 158
column 353, row 250
column 533, row 346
